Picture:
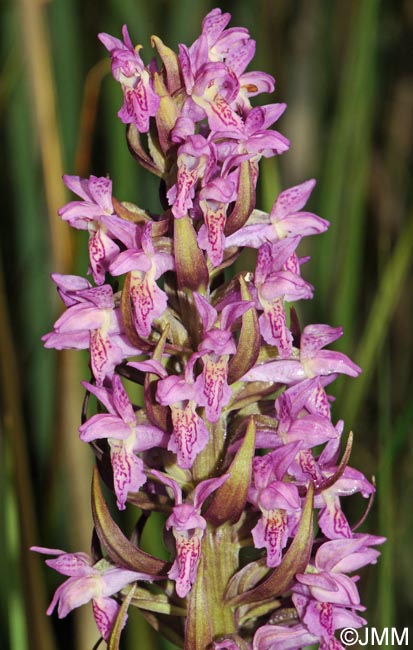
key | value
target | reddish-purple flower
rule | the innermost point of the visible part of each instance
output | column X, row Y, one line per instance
column 89, row 581
column 146, row 265
column 188, row 527
column 217, row 345
column 126, row 437
column 91, row 321
column 140, row 100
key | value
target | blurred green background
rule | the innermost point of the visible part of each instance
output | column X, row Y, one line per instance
column 345, row 69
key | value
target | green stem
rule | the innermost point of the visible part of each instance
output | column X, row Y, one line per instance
column 209, row 617
column 207, row 462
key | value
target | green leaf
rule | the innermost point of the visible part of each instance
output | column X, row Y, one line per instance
column 190, row 262
column 156, row 412
column 119, row 549
column 159, row 603
column 249, row 341
column 114, row 639
column 245, row 202
column 295, row 561
column 229, row 500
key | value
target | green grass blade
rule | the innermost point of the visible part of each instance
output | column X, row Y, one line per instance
column 346, row 172
column 375, row 333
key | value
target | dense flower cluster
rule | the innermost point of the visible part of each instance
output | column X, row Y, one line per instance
column 235, row 428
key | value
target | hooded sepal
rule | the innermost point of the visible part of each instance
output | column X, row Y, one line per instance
column 229, row 500
column 191, row 268
column 118, row 548
column 248, row 347
column 295, row 561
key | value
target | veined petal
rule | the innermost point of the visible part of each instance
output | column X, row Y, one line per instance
column 234, row 310
column 206, row 311
column 348, row 555
column 293, row 199
column 345, row 618
column 318, row 616
column 75, row 592
column 213, row 391
column 162, row 262
column 282, row 371
column 101, row 297
column 277, row 637
column 149, row 301
column 207, row 487
column 100, row 189
column 130, row 260
column 344, row 592
column 214, row 24
column 185, row 567
column 147, row 436
column 105, row 611
column 302, row 223
column 174, row 389
column 68, row 286
column 140, row 102
column 238, row 59
column 80, row 214
column 315, row 337
column 77, row 185
column 82, row 316
column 211, row 235
column 128, row 471
column 122, row 402
column 327, row 362
column 332, row 520
column 285, row 284
column 220, row 114
column 104, row 425
column 116, row 578
column 104, row 355
column 253, row 236
column 104, row 395
column 189, row 435
column 273, row 327
column 280, row 494
column 195, row 157
column 271, row 533
column 126, row 231
column 75, row 565
column 67, row 340
column 312, row 430
column 102, row 249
